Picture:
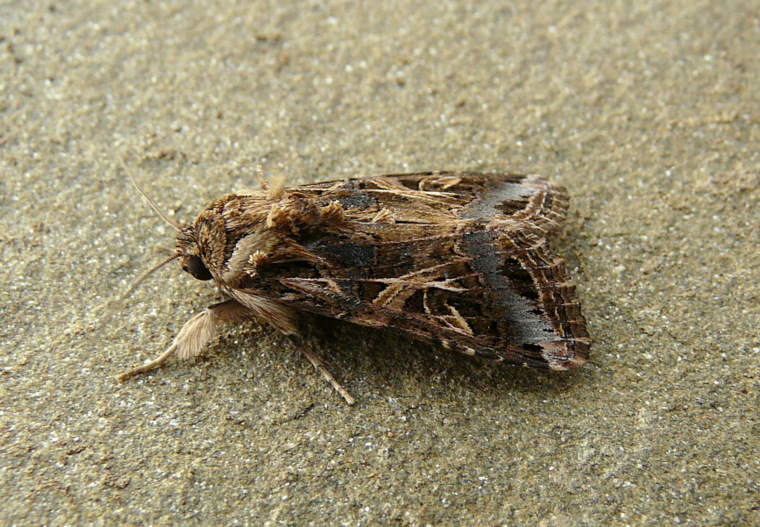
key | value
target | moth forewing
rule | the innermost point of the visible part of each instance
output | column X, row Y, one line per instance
column 454, row 258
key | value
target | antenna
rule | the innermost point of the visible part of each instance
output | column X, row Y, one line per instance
column 137, row 281
column 152, row 203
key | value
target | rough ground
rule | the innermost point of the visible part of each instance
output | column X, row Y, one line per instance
column 649, row 114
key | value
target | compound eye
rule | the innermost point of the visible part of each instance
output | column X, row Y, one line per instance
column 197, row 268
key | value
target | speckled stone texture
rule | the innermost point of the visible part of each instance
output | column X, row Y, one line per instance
column 648, row 113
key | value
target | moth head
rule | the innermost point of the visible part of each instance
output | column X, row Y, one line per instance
column 187, row 250
column 188, row 255
column 195, row 266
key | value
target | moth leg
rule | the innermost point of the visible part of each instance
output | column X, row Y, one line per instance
column 193, row 336
column 319, row 365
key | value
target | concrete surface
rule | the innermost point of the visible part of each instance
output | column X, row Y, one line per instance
column 648, row 113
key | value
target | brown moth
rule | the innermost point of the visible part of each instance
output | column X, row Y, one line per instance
column 457, row 259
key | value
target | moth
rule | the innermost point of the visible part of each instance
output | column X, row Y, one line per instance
column 457, row 259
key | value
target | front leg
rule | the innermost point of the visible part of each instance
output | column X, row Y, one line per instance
column 200, row 329
column 194, row 335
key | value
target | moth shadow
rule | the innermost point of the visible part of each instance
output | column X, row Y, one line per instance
column 390, row 364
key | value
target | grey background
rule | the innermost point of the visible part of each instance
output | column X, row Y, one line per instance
column 647, row 113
